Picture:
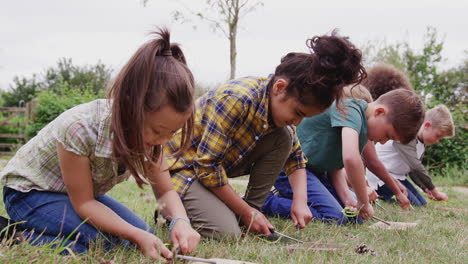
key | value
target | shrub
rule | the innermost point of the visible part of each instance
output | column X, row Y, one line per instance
column 52, row 104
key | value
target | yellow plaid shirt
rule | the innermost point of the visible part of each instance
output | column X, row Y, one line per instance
column 228, row 122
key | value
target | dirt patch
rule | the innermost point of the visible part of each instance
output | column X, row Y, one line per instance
column 461, row 189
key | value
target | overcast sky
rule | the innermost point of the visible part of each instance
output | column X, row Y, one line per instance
column 35, row 34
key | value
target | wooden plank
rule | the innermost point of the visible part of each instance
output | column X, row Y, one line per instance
column 12, row 109
column 4, row 121
column 5, row 153
column 14, row 124
column 6, row 135
column 9, row 145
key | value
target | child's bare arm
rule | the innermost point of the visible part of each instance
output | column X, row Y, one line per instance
column 375, row 166
column 182, row 235
column 78, row 181
column 338, row 179
column 355, row 170
column 300, row 212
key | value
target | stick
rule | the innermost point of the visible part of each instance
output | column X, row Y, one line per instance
column 195, row 259
column 378, row 219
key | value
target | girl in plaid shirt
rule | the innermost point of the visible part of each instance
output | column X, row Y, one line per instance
column 56, row 183
column 247, row 126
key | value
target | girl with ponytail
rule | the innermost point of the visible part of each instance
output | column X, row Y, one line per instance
column 247, row 126
column 56, row 184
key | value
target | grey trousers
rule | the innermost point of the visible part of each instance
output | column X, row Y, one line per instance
column 210, row 216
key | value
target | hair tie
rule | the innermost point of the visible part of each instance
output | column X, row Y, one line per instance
column 167, row 52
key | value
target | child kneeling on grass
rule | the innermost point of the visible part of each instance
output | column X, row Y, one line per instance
column 335, row 139
column 246, row 126
column 401, row 160
column 57, row 182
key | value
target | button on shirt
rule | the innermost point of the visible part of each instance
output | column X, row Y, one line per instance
column 228, row 122
column 83, row 130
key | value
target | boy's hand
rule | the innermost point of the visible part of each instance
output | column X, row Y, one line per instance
column 436, row 195
column 402, row 188
column 300, row 214
column 183, row 236
column 366, row 210
column 350, row 202
column 403, row 201
column 372, row 194
column 256, row 222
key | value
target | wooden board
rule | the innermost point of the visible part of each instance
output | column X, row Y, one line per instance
column 314, row 246
column 393, row 225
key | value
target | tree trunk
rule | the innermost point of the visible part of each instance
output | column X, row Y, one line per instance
column 233, row 51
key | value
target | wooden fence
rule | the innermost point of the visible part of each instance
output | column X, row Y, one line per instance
column 9, row 113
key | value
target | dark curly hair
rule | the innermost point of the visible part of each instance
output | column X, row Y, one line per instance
column 318, row 77
column 383, row 78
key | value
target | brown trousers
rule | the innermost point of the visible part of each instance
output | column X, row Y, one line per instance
column 210, row 216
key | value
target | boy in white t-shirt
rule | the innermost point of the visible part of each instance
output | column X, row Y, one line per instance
column 401, row 160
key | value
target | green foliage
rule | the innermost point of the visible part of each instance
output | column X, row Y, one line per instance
column 52, row 104
column 23, row 89
column 64, row 77
column 85, row 78
column 449, row 87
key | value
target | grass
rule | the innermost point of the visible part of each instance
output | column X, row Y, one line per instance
column 441, row 236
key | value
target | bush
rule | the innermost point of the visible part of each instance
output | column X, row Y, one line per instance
column 52, row 104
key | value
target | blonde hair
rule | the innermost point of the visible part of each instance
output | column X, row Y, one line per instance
column 357, row 91
column 441, row 119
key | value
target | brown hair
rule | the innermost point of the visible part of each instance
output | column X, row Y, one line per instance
column 383, row 78
column 358, row 92
column 156, row 76
column 319, row 77
column 441, row 119
column 406, row 113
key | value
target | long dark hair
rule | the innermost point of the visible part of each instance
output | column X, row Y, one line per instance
column 157, row 75
column 318, row 77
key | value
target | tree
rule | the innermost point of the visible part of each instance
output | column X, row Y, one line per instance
column 22, row 90
column 90, row 78
column 224, row 16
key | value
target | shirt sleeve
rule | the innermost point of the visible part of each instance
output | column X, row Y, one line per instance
column 222, row 115
column 296, row 159
column 350, row 117
column 75, row 135
column 418, row 173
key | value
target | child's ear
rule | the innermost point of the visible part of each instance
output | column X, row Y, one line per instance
column 427, row 124
column 380, row 111
column 280, row 86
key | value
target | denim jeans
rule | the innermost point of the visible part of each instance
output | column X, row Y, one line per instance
column 414, row 196
column 49, row 217
column 323, row 204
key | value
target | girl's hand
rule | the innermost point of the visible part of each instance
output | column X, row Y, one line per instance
column 152, row 246
column 256, row 222
column 183, row 236
column 366, row 211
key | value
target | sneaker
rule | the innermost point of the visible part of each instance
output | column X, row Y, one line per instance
column 8, row 229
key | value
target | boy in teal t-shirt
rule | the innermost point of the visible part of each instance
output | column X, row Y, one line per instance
column 334, row 141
